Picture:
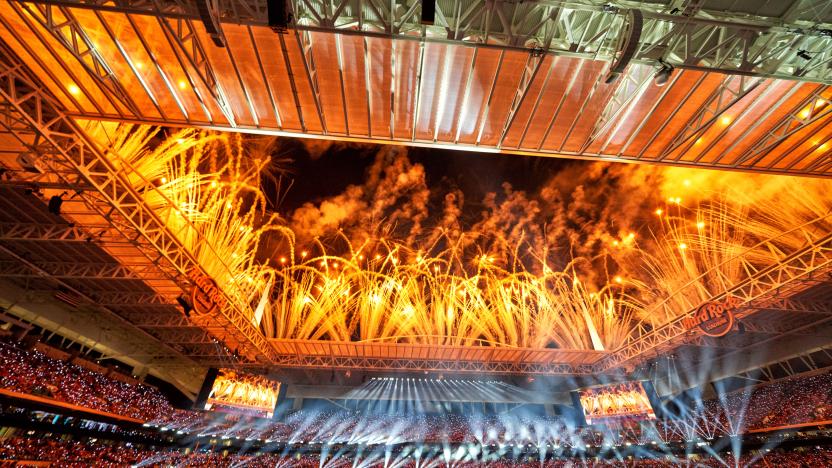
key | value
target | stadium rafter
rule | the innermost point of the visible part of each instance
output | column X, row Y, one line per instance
column 771, row 287
column 460, row 83
column 64, row 146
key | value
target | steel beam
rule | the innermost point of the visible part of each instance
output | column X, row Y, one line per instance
column 120, row 299
column 76, row 270
column 115, row 199
column 795, row 306
column 56, row 232
column 764, row 288
column 697, row 39
column 428, row 365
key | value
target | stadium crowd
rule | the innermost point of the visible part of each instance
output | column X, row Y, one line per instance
column 71, row 454
column 804, row 399
column 32, row 372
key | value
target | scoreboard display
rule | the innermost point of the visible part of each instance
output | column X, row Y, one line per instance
column 624, row 400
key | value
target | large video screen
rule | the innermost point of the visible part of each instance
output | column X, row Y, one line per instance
column 237, row 391
column 625, row 400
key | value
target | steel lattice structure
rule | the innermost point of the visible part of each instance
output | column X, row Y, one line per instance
column 64, row 147
column 766, row 289
column 511, row 77
column 753, row 46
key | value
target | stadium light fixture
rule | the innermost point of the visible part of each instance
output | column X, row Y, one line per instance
column 185, row 304
column 55, row 203
column 663, row 75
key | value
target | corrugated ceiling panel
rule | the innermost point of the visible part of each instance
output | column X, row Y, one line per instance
column 311, row 117
column 562, row 69
column 683, row 102
column 241, row 48
column 357, row 94
column 486, row 66
column 576, row 94
column 330, row 83
column 279, row 78
column 382, row 87
column 505, row 89
column 116, row 60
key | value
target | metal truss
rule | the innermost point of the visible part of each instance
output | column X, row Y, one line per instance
column 730, row 92
column 795, row 306
column 88, row 301
column 762, row 290
column 64, row 146
column 799, row 318
column 192, row 336
column 794, row 47
column 711, row 343
column 56, row 232
column 429, row 365
column 62, row 25
column 158, row 320
column 786, row 368
column 76, row 270
column 123, row 299
column 779, row 329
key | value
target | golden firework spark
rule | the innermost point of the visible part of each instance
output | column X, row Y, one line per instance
column 205, row 187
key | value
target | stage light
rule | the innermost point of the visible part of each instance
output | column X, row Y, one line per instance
column 663, row 75
column 55, row 203
column 74, row 89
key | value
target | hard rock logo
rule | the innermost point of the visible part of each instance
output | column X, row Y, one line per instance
column 206, row 296
column 714, row 318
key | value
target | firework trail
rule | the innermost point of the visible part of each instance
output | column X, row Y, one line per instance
column 575, row 263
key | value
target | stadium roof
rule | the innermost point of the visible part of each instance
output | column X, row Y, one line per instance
column 514, row 77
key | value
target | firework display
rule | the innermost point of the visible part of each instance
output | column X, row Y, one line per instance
column 571, row 267
column 332, row 274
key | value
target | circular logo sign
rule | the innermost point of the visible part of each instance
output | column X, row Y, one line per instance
column 206, row 296
column 714, row 318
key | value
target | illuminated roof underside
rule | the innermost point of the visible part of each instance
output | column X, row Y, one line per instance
column 346, row 82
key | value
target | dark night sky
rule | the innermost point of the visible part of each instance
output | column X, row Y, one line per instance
column 330, row 172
